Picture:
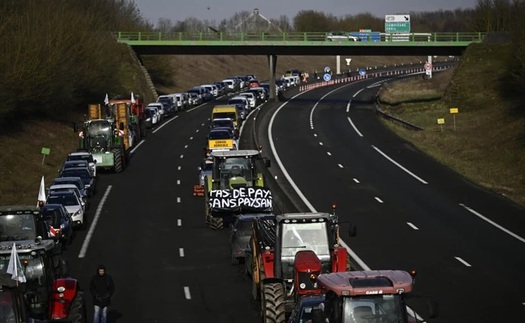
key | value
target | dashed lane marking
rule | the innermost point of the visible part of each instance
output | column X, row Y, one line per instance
column 463, row 261
column 378, row 199
column 329, row 153
column 399, row 165
column 340, row 166
column 355, row 128
column 412, row 226
column 179, row 222
column 181, row 252
column 187, row 293
column 356, row 180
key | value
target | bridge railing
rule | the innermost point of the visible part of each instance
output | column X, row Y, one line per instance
column 292, row 36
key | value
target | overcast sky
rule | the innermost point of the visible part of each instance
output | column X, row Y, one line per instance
column 216, row 10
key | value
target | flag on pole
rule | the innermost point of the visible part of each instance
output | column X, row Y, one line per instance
column 106, row 100
column 15, row 267
column 132, row 98
column 41, row 193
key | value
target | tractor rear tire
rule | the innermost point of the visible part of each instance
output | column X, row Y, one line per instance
column 77, row 310
column 117, row 160
column 272, row 303
column 216, row 222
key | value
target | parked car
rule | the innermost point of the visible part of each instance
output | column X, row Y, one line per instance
column 77, row 181
column 194, row 99
column 158, row 108
column 229, row 84
column 73, row 205
column 88, row 180
column 200, row 92
column 212, row 88
column 252, row 100
column 57, row 217
column 75, row 163
column 241, row 232
column 84, row 155
column 152, row 118
column 205, row 169
column 167, row 100
column 73, row 187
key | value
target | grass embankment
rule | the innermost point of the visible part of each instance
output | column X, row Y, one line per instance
column 487, row 145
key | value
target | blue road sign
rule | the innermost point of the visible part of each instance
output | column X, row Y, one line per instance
column 327, row 69
column 362, row 72
column 327, row 77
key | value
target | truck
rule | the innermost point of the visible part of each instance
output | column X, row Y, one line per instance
column 236, row 185
column 47, row 293
column 360, row 296
column 285, row 256
column 108, row 136
column 137, row 118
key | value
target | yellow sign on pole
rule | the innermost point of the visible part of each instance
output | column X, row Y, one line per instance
column 454, row 110
column 441, row 121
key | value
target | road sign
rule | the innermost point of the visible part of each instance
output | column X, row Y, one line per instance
column 454, row 110
column 397, row 23
column 348, row 60
column 362, row 72
column 327, row 77
column 428, row 66
column 327, row 69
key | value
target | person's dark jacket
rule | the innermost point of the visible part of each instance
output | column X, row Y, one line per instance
column 101, row 288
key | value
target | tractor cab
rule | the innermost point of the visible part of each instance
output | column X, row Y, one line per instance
column 235, row 169
column 98, row 135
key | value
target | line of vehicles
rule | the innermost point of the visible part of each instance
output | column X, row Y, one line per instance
column 298, row 268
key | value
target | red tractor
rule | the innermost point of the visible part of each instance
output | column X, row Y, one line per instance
column 359, row 297
column 285, row 257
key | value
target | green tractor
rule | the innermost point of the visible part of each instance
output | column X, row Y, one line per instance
column 107, row 137
column 235, row 185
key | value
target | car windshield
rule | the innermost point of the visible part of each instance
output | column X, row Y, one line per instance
column 304, row 236
column 58, row 181
column 88, row 158
column 17, row 227
column 222, row 115
column 373, row 308
column 71, row 172
column 219, row 134
column 64, row 199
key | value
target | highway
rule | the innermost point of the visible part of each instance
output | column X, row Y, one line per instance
column 411, row 213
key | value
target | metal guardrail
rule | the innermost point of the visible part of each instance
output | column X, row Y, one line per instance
column 450, row 37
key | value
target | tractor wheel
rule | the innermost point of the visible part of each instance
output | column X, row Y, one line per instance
column 272, row 303
column 117, row 160
column 216, row 222
column 77, row 309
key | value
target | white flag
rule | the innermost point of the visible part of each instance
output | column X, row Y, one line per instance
column 106, row 100
column 41, row 192
column 15, row 267
column 132, row 98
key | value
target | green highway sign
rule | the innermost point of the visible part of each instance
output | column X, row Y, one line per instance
column 45, row 151
column 397, row 23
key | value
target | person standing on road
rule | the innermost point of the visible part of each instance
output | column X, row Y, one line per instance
column 102, row 288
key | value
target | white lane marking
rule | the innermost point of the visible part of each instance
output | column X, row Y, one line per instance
column 137, row 146
column 85, row 245
column 185, row 146
column 197, row 130
column 315, row 135
column 356, row 93
column 320, row 143
column 179, row 222
column 202, row 124
column 410, row 224
column 356, row 180
column 348, row 106
column 319, row 101
column 191, row 138
column 355, row 128
column 179, row 168
column 340, row 166
column 178, row 199
column 187, row 293
column 378, row 199
column 199, row 106
column 329, row 153
column 399, row 165
column 352, row 254
column 181, row 252
column 275, row 176
column 512, row 234
column 164, row 124
column 463, row 261
column 178, row 182
column 181, row 156
column 247, row 117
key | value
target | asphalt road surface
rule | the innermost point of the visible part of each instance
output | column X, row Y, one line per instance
column 411, row 213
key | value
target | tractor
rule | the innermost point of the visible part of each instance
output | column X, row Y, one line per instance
column 360, row 297
column 285, row 257
column 135, row 111
column 47, row 294
column 235, row 185
column 108, row 137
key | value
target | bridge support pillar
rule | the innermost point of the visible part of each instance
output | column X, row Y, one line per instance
column 272, row 64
